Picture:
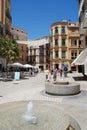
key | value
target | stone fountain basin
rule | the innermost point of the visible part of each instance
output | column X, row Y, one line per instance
column 62, row 88
column 49, row 116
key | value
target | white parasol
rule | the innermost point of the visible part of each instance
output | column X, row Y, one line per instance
column 16, row 64
column 27, row 66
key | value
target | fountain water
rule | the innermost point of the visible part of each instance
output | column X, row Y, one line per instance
column 29, row 114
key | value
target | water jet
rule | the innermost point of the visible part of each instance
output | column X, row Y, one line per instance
column 29, row 114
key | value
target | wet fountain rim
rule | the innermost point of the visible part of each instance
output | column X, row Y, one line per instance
column 61, row 83
column 71, row 121
column 55, row 118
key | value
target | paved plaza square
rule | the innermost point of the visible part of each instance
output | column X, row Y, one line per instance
column 33, row 88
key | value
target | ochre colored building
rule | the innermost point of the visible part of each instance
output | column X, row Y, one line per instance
column 5, row 18
column 64, row 44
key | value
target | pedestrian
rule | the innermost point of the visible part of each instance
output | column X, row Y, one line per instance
column 61, row 72
column 65, row 71
column 46, row 74
column 55, row 74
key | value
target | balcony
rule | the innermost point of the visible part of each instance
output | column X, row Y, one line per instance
column 73, row 34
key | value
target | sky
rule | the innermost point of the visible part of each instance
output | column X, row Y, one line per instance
column 36, row 16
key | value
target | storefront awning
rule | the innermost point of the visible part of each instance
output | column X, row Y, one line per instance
column 81, row 59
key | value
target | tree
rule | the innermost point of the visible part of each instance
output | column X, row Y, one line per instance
column 9, row 50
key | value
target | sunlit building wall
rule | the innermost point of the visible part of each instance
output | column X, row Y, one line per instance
column 18, row 34
column 82, row 15
column 39, row 53
column 64, row 44
column 35, row 52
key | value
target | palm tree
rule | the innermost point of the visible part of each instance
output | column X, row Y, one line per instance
column 9, row 50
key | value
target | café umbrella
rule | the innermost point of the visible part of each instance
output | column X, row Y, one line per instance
column 27, row 66
column 16, row 64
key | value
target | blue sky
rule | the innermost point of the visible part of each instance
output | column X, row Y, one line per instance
column 36, row 16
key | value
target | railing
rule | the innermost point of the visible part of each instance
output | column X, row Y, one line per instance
column 74, row 34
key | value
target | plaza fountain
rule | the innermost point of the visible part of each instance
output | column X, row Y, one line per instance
column 36, row 115
column 62, row 87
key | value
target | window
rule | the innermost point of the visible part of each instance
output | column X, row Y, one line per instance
column 22, row 48
column 56, row 42
column 51, row 55
column 63, row 30
column 73, row 55
column 34, row 51
column 79, row 43
column 73, row 42
column 22, row 58
column 41, row 50
column 41, row 59
column 63, row 54
column 47, row 46
column 26, row 49
column 56, row 66
column 56, row 54
column 63, row 42
column 30, row 52
column 51, row 32
column 17, row 37
column 63, row 65
column 1, row 30
column 56, row 30
column 86, row 40
column 73, row 29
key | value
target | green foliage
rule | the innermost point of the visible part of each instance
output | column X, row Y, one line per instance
column 9, row 49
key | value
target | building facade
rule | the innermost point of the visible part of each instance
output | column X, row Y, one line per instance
column 23, row 48
column 81, row 60
column 64, row 44
column 35, row 52
column 39, row 53
column 5, row 23
column 82, row 15
column 2, row 17
column 5, row 18
column 18, row 34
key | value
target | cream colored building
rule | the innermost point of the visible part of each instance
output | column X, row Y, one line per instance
column 64, row 44
column 81, row 60
column 38, row 52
